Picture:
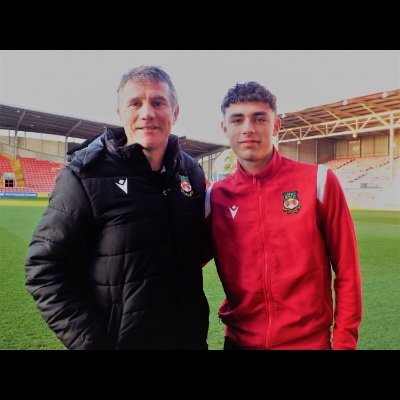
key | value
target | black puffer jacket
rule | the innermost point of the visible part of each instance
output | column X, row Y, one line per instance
column 115, row 261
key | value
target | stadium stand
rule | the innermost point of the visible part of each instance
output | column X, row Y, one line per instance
column 40, row 175
column 358, row 138
column 351, row 173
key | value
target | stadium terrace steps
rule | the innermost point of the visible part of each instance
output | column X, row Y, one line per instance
column 19, row 175
column 353, row 172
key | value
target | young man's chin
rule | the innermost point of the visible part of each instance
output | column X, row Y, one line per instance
column 248, row 155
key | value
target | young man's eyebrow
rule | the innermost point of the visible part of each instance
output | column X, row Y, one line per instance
column 236, row 115
column 255, row 114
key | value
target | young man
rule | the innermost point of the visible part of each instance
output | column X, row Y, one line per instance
column 115, row 262
column 279, row 229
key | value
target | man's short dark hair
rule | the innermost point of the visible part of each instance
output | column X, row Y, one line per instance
column 248, row 92
column 150, row 73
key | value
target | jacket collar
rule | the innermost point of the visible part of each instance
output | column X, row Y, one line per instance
column 113, row 141
column 268, row 172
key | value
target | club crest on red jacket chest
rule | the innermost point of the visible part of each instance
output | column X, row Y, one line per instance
column 291, row 202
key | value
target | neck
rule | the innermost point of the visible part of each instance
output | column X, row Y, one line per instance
column 255, row 167
column 155, row 158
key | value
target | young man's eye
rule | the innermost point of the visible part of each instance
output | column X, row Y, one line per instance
column 236, row 121
column 260, row 119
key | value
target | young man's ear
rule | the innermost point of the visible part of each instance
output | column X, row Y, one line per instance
column 223, row 127
column 277, row 126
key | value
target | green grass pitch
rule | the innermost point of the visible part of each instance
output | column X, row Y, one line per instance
column 378, row 233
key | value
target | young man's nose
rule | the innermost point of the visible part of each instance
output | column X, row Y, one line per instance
column 247, row 127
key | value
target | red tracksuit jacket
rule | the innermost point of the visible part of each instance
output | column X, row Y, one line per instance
column 277, row 235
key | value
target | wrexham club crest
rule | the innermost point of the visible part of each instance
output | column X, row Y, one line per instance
column 186, row 187
column 291, row 203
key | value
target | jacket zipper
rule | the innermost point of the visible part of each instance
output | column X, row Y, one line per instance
column 178, row 299
column 266, row 277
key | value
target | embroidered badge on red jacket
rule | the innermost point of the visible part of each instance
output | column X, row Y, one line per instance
column 291, row 202
column 186, row 187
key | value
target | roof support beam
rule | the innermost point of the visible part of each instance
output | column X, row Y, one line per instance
column 337, row 127
column 16, row 132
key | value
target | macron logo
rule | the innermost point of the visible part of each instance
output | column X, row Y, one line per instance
column 233, row 210
column 123, row 185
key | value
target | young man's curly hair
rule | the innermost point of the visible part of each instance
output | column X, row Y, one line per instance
column 248, row 92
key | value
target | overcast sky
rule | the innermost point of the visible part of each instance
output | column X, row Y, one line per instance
column 83, row 83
